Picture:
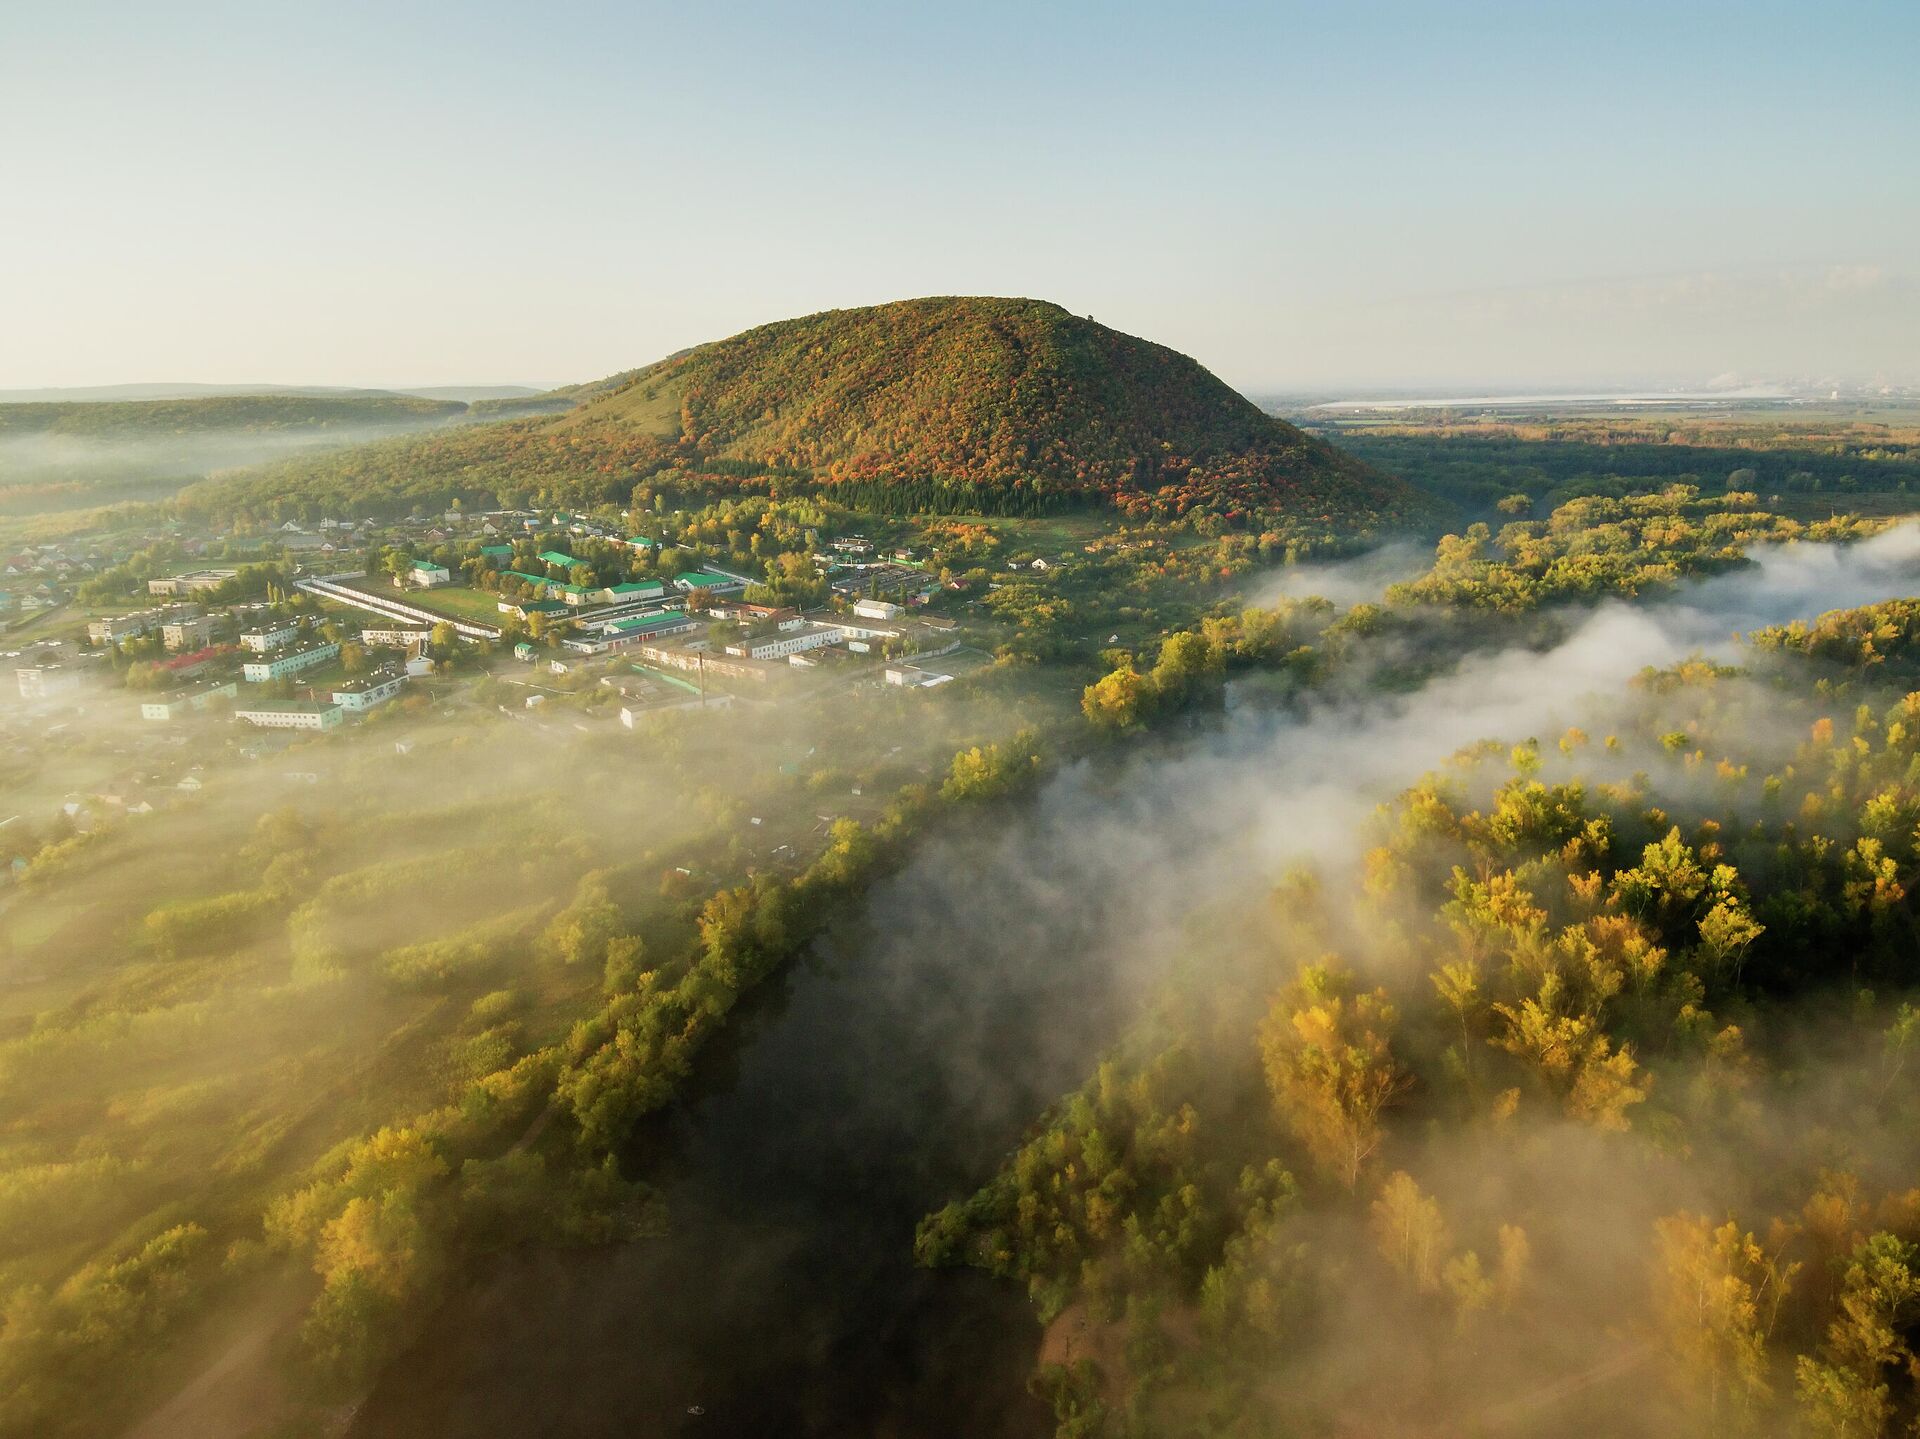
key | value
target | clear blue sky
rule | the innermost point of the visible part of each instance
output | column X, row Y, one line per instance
column 1298, row 194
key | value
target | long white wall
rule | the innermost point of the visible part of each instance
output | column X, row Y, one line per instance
column 394, row 609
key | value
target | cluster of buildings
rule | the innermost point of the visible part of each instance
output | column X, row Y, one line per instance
column 549, row 595
column 180, row 627
column 219, row 657
column 38, row 577
column 351, row 696
column 770, row 639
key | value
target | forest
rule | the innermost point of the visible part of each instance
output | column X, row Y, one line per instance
column 1003, row 407
column 1481, row 1002
column 324, row 1054
column 1808, row 459
column 1581, row 1067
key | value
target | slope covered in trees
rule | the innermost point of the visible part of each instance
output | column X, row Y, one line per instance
column 935, row 405
column 158, row 419
column 1592, row 1078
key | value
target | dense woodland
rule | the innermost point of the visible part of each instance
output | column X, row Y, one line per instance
column 1598, row 1063
column 1597, row 546
column 375, row 1034
column 1002, row 407
column 1479, row 464
column 1588, row 1074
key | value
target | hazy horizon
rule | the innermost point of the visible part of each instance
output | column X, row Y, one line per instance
column 1383, row 197
column 1472, row 390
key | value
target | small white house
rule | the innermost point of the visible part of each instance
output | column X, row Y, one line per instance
column 877, row 610
column 425, row 575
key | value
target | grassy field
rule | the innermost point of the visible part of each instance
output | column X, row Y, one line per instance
column 456, row 602
column 461, row 603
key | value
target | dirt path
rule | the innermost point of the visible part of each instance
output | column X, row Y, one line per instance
column 237, row 1388
column 1519, row 1415
column 1519, row 1410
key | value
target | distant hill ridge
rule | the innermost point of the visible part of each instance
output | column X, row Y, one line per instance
column 162, row 390
column 133, row 419
column 944, row 404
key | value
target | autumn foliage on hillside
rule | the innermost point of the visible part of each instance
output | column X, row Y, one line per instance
column 926, row 406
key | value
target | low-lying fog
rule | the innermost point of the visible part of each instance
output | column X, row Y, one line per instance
column 885, row 1079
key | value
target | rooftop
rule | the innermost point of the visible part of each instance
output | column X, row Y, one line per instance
column 367, row 682
column 639, row 624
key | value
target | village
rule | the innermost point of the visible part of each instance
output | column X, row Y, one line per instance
column 244, row 644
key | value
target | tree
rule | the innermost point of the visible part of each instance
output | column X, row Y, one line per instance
column 1844, row 1391
column 581, row 933
column 1410, row 1232
column 1717, row 1296
column 1329, row 1062
column 1119, row 701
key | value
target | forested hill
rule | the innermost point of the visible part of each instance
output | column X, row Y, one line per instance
column 946, row 405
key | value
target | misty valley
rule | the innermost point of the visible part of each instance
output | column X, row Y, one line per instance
column 933, row 869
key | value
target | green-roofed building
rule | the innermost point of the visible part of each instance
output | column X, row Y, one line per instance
column 640, row 542
column 577, row 594
column 702, row 580
column 642, row 625
column 554, row 557
column 637, row 590
column 497, row 552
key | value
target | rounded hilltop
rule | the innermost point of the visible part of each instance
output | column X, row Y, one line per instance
column 988, row 393
column 940, row 405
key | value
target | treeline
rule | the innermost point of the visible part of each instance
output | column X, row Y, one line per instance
column 1193, row 665
column 1597, row 546
column 385, row 1218
column 1472, row 468
column 1325, row 1187
column 159, row 419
